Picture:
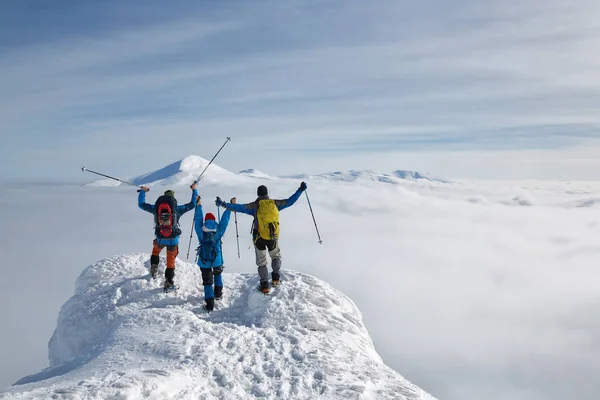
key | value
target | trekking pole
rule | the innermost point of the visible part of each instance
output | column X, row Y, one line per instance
column 210, row 162
column 196, row 181
column 237, row 233
column 84, row 169
column 313, row 217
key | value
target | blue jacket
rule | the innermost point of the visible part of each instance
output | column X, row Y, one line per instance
column 220, row 227
column 250, row 208
column 180, row 211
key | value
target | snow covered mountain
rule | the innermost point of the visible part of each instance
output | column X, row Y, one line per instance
column 256, row 174
column 186, row 170
column 121, row 337
column 395, row 177
column 183, row 172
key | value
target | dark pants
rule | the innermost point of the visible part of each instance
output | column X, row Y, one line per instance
column 212, row 276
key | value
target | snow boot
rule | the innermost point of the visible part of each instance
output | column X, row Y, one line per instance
column 264, row 287
column 170, row 287
column 210, row 304
column 275, row 278
column 154, row 270
column 218, row 292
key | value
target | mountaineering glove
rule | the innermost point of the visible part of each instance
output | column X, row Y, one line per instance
column 303, row 186
column 193, row 186
column 219, row 202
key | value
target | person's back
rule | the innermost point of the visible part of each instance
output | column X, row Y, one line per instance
column 209, row 252
column 265, row 232
column 166, row 229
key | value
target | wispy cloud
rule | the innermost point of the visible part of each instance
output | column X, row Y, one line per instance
column 282, row 74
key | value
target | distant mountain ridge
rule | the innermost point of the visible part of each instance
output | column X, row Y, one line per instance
column 370, row 175
column 187, row 170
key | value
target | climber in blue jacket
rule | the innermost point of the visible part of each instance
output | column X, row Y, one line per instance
column 209, row 252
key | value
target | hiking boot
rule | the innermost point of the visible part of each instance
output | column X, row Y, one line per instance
column 264, row 287
column 153, row 271
column 275, row 282
column 218, row 292
column 169, row 287
column 210, row 305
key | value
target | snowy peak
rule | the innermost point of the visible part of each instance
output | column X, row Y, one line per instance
column 254, row 173
column 120, row 336
column 183, row 172
column 413, row 175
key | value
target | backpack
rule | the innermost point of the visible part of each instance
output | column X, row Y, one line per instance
column 165, row 217
column 267, row 217
column 207, row 251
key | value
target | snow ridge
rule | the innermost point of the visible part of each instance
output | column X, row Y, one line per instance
column 396, row 177
column 121, row 337
column 187, row 170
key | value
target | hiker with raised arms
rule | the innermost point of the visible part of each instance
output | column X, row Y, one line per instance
column 209, row 252
column 265, row 230
column 166, row 229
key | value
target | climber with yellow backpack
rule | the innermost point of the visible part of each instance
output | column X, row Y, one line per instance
column 265, row 230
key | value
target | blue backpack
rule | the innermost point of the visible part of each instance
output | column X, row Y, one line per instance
column 208, row 250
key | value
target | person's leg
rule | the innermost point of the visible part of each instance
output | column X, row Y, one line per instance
column 172, row 252
column 217, row 271
column 260, row 249
column 209, row 293
column 275, row 255
column 154, row 258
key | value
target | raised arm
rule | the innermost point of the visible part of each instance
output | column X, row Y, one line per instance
column 189, row 206
column 249, row 208
column 142, row 200
column 224, row 222
column 283, row 204
column 199, row 220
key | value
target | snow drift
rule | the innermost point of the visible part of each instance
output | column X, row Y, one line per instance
column 121, row 337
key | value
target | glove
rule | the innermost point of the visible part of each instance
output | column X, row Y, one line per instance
column 219, row 202
column 303, row 186
column 144, row 188
column 193, row 186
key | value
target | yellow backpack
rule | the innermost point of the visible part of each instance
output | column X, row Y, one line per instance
column 267, row 216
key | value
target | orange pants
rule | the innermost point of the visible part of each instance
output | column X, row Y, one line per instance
column 172, row 252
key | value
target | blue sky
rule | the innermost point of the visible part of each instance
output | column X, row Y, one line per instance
column 457, row 89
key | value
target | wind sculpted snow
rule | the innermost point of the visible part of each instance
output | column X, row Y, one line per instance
column 121, row 337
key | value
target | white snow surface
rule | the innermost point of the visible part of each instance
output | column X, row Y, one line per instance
column 121, row 337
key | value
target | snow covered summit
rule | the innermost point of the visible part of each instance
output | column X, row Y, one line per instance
column 183, row 172
column 121, row 337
